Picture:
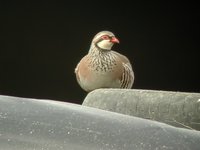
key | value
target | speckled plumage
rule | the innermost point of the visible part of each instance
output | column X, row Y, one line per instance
column 103, row 67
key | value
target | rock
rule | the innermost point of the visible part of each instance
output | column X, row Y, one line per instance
column 180, row 109
column 35, row 124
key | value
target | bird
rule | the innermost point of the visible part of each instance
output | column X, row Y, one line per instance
column 103, row 67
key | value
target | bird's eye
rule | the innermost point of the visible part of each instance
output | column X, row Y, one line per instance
column 105, row 37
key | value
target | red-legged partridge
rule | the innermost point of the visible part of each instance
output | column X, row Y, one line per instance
column 103, row 67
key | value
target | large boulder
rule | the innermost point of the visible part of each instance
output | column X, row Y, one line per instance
column 33, row 124
column 180, row 109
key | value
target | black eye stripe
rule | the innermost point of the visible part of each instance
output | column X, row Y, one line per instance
column 105, row 37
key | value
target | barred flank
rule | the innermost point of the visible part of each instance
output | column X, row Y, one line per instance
column 126, row 77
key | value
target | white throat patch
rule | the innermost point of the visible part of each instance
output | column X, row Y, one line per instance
column 105, row 44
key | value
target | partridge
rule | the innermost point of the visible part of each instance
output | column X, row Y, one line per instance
column 103, row 67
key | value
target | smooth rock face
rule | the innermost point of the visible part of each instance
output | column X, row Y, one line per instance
column 30, row 124
column 179, row 109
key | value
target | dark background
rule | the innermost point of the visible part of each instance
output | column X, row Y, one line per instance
column 41, row 43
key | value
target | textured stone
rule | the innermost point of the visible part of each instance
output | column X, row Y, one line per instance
column 179, row 109
column 33, row 124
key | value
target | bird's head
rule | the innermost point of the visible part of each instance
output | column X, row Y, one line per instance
column 104, row 40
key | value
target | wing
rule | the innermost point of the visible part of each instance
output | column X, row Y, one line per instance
column 127, row 77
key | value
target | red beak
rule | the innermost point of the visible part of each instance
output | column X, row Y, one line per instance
column 114, row 40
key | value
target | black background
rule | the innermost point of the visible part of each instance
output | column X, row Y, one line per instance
column 41, row 43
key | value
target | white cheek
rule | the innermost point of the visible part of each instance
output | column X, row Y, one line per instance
column 105, row 44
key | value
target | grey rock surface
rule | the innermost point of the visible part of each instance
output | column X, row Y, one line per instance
column 30, row 124
column 180, row 109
